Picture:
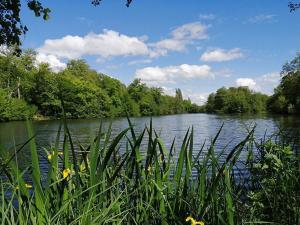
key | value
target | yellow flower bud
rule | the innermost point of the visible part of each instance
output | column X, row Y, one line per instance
column 66, row 173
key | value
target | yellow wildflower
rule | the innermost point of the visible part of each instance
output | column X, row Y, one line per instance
column 149, row 169
column 66, row 173
column 50, row 156
column 28, row 186
column 193, row 221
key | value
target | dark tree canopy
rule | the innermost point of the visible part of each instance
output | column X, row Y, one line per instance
column 11, row 26
column 292, row 66
column 286, row 98
column 294, row 6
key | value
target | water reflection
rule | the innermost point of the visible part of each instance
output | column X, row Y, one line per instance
column 205, row 127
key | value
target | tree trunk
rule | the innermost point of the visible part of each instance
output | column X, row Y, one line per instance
column 19, row 84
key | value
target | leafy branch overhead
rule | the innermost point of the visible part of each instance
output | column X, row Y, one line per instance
column 294, row 6
column 10, row 22
column 11, row 26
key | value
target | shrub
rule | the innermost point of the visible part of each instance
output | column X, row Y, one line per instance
column 14, row 109
column 275, row 177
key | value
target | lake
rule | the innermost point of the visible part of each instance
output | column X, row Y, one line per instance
column 205, row 128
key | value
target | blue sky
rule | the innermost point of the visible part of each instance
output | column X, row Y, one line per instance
column 196, row 45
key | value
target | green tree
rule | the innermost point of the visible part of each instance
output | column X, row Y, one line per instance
column 236, row 100
column 84, row 92
column 13, row 108
column 178, row 104
column 286, row 98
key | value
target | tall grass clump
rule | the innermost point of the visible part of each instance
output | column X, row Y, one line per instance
column 111, row 182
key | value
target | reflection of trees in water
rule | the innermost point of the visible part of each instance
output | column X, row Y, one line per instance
column 289, row 131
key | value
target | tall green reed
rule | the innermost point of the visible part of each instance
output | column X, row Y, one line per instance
column 110, row 181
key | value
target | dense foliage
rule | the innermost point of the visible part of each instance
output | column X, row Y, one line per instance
column 294, row 6
column 236, row 100
column 286, row 98
column 11, row 27
column 27, row 89
column 275, row 184
column 101, row 184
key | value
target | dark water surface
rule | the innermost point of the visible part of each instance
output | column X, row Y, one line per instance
column 205, row 128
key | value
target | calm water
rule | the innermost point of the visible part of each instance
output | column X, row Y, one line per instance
column 205, row 127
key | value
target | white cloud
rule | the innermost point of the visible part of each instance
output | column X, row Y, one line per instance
column 198, row 98
column 246, row 82
column 107, row 44
column 172, row 74
column 190, row 31
column 264, row 83
column 162, row 47
column 180, row 38
column 111, row 43
column 220, row 55
column 142, row 61
column 273, row 77
column 267, row 82
column 207, row 16
column 168, row 91
column 262, row 18
column 54, row 63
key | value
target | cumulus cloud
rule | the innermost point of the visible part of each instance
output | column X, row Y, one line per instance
column 107, row 44
column 264, row 83
column 220, row 55
column 54, row 63
column 262, row 18
column 246, row 82
column 172, row 74
column 180, row 38
column 267, row 82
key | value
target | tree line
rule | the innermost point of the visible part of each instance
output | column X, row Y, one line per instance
column 285, row 100
column 28, row 90
column 236, row 100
